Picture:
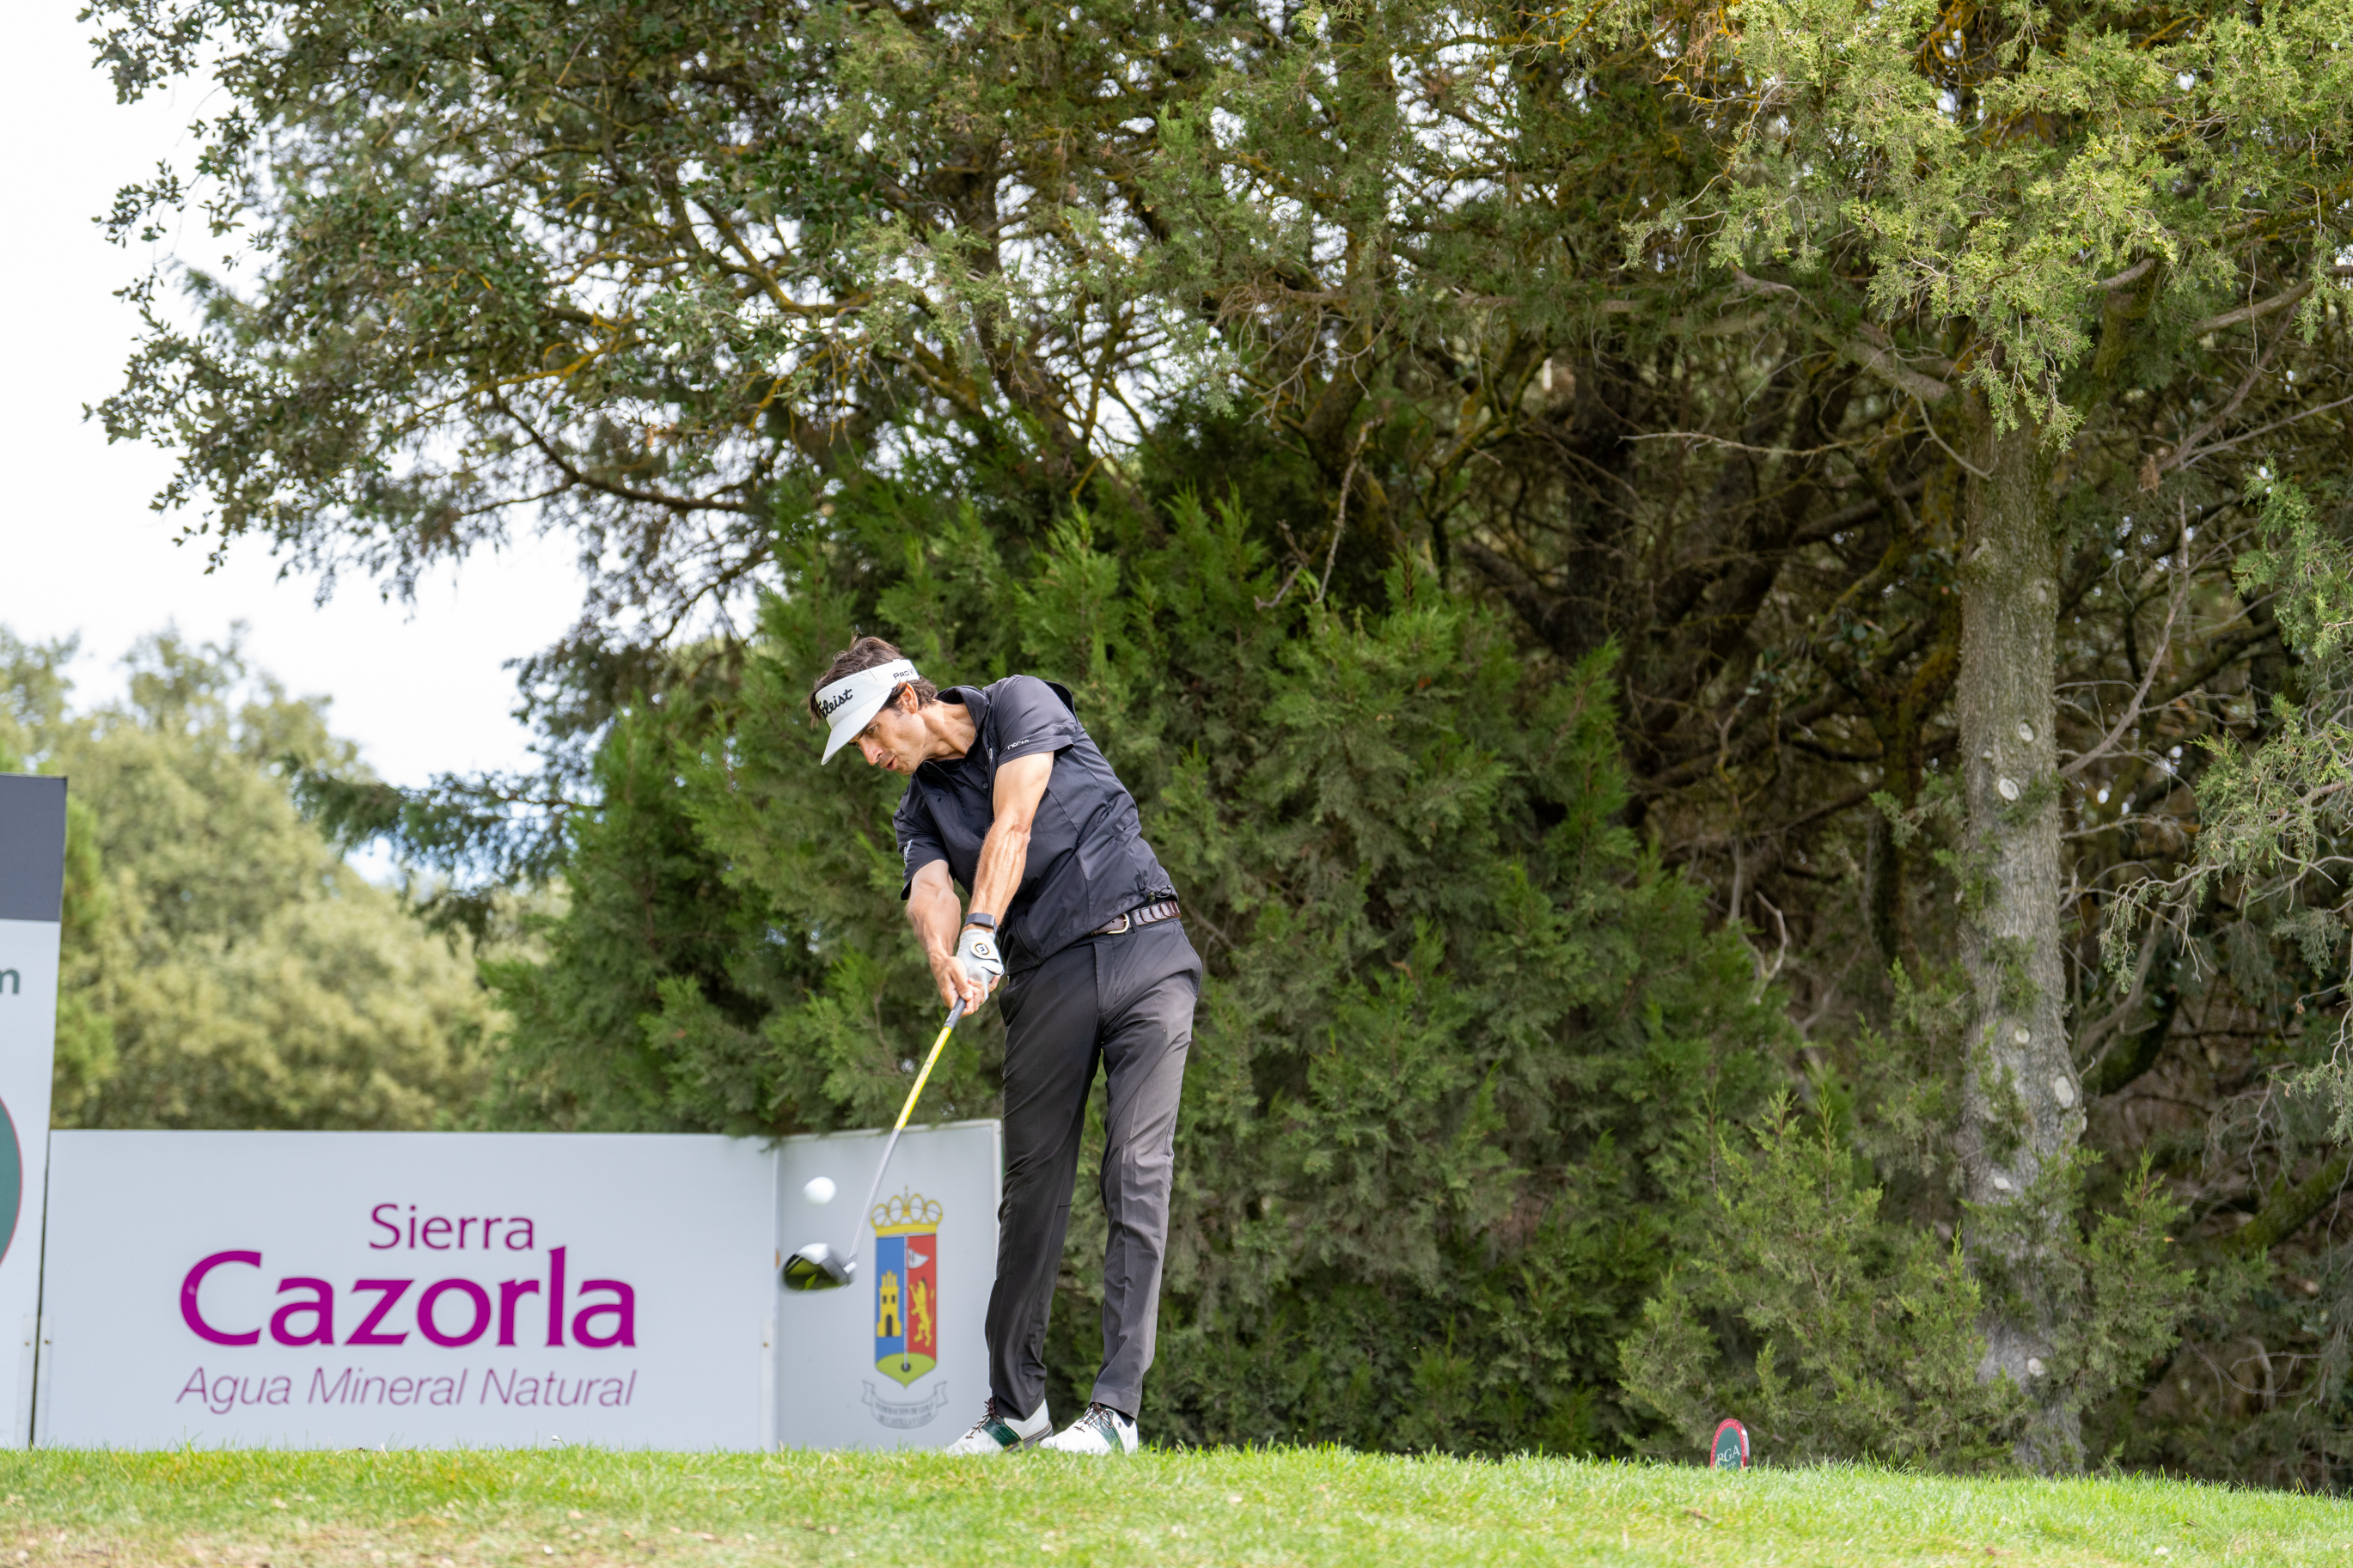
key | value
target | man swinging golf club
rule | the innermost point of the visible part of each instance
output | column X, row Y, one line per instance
column 1009, row 798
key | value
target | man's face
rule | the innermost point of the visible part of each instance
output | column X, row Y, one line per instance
column 898, row 738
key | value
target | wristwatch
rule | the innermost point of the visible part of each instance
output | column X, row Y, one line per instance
column 986, row 923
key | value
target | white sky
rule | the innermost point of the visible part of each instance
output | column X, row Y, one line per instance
column 421, row 689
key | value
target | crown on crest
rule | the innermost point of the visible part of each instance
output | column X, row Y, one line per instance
column 903, row 1214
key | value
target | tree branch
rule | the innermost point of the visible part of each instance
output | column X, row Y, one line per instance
column 2256, row 311
column 1882, row 363
column 2130, row 1056
column 2287, row 1209
column 2128, row 277
column 2132, row 709
column 2153, row 467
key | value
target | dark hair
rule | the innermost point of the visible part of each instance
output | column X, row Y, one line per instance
column 865, row 654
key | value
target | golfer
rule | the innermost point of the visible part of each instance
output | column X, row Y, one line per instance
column 1008, row 799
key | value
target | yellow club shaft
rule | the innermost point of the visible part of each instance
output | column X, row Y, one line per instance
column 930, row 1061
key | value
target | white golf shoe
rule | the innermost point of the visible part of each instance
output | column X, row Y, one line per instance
column 997, row 1433
column 1101, row 1430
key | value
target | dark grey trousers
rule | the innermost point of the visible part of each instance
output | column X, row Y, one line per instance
column 1127, row 1002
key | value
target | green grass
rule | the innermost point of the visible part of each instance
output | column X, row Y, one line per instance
column 583, row 1507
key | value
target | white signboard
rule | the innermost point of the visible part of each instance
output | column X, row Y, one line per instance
column 365, row 1289
column 344, row 1290
column 32, row 880
column 896, row 1358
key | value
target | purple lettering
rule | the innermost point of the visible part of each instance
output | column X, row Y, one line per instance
column 524, row 1245
column 375, row 1217
column 511, row 1292
column 388, row 1291
column 412, row 1228
column 321, row 1308
column 194, row 1317
column 461, row 1233
column 472, row 1292
column 442, row 1245
column 624, row 1311
column 555, row 1296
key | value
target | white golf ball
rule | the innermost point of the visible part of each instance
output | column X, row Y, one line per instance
column 820, row 1190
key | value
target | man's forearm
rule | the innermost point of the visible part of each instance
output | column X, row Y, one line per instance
column 932, row 914
column 1004, row 855
column 937, row 919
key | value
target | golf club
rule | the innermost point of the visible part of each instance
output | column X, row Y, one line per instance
column 818, row 1267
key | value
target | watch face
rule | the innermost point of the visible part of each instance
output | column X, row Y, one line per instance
column 12, row 1179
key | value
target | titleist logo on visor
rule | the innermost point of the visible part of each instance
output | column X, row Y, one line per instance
column 868, row 684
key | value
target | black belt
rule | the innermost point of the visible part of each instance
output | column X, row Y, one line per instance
column 1150, row 914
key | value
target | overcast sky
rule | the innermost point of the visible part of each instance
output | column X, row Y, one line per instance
column 421, row 689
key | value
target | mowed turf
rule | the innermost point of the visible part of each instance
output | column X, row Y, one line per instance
column 585, row 1508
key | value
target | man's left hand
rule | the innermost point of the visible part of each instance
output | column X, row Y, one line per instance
column 977, row 952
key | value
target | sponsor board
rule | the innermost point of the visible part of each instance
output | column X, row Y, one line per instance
column 343, row 1289
column 32, row 882
column 926, row 1257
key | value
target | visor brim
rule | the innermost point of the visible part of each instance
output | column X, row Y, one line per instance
column 849, row 723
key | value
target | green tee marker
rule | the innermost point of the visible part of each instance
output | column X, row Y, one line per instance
column 1730, row 1449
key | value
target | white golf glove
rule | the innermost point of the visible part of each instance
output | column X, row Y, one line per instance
column 977, row 952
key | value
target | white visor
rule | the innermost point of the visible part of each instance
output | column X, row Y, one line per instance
column 850, row 704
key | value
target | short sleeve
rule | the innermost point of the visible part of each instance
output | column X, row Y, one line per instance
column 919, row 842
column 1030, row 717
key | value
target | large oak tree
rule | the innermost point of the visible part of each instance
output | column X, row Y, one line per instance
column 1886, row 384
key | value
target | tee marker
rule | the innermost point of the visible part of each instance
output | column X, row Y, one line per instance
column 1729, row 1450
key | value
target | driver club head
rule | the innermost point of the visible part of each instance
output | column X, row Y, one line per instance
column 818, row 1267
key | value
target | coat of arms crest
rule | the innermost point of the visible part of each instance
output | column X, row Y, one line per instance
column 906, row 1286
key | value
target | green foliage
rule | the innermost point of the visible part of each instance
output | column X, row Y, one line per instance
column 1849, row 1336
column 809, row 234
column 1996, row 164
column 2310, row 566
column 1809, row 1301
column 2275, row 812
column 221, row 966
column 653, row 964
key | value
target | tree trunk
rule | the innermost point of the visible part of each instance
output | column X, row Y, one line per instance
column 2021, row 1114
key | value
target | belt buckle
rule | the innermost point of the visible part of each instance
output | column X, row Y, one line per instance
column 1119, row 927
